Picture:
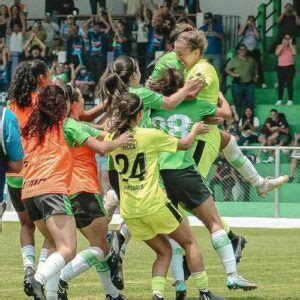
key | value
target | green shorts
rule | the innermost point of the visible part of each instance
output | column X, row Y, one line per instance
column 45, row 206
column 166, row 220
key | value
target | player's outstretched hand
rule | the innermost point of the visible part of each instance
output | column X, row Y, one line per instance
column 200, row 128
column 125, row 138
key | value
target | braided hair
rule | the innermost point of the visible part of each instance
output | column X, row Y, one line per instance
column 25, row 81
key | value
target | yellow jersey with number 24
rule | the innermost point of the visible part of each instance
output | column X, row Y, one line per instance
column 137, row 166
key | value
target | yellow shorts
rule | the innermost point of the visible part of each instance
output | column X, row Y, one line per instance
column 166, row 220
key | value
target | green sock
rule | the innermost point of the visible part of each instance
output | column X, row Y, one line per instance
column 158, row 285
column 200, row 280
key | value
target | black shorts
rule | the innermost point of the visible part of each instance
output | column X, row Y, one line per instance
column 15, row 197
column 87, row 207
column 114, row 181
column 45, row 206
column 185, row 187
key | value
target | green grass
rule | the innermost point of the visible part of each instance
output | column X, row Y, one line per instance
column 271, row 259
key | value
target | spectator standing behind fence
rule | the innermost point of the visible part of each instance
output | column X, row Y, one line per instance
column 66, row 26
column 286, row 70
column 243, row 69
column 250, row 40
column 4, row 16
column 248, row 127
column 97, row 45
column 214, row 34
column 51, row 29
column 75, row 46
column 35, row 50
column 16, row 17
column 288, row 22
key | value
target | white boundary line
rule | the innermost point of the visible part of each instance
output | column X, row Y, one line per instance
column 234, row 222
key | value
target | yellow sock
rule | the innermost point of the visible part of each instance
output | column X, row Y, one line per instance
column 200, row 280
column 158, row 285
column 225, row 225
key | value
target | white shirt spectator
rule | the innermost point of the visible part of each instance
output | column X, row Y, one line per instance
column 50, row 29
column 16, row 42
column 132, row 6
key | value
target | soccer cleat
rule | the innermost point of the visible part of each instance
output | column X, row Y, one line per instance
column 115, row 265
column 117, row 242
column 238, row 282
column 180, row 288
column 37, row 289
column 62, row 290
column 238, row 245
column 155, row 297
column 120, row 297
column 186, row 270
column 29, row 272
column 271, row 184
column 208, row 295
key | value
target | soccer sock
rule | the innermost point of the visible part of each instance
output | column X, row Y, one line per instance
column 43, row 256
column 28, row 256
column 104, row 276
column 225, row 226
column 82, row 262
column 53, row 265
column 158, row 285
column 200, row 280
column 111, row 202
column 124, row 230
column 52, row 287
column 241, row 163
column 176, row 262
column 223, row 247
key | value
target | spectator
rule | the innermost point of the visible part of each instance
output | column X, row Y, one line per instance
column 288, row 22
column 16, row 43
column 94, row 3
column 16, row 17
column 243, row 69
column 3, row 67
column 154, row 4
column 66, row 26
column 4, row 17
column 276, row 131
column 59, row 46
column 11, row 150
column 248, row 127
column 286, row 53
column 250, row 40
column 22, row 6
column 192, row 6
column 85, row 82
column 130, row 6
column 75, row 46
column 143, row 19
column 295, row 159
column 60, row 74
column 36, row 51
column 231, row 126
column 214, row 34
column 97, row 46
column 39, row 32
column 51, row 29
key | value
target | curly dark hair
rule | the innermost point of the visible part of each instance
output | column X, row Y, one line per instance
column 163, row 21
column 26, row 81
column 47, row 115
column 128, row 108
column 170, row 81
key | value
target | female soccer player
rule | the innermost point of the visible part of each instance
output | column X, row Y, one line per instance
column 29, row 78
column 47, row 179
column 89, row 213
column 144, row 206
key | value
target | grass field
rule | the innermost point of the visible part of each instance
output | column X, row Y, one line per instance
column 271, row 259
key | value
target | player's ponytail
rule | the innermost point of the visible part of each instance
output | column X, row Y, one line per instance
column 128, row 108
column 114, row 81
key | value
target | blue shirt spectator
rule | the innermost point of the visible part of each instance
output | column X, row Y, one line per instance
column 11, row 145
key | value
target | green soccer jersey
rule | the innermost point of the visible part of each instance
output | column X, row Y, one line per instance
column 151, row 100
column 178, row 122
column 167, row 61
column 76, row 132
